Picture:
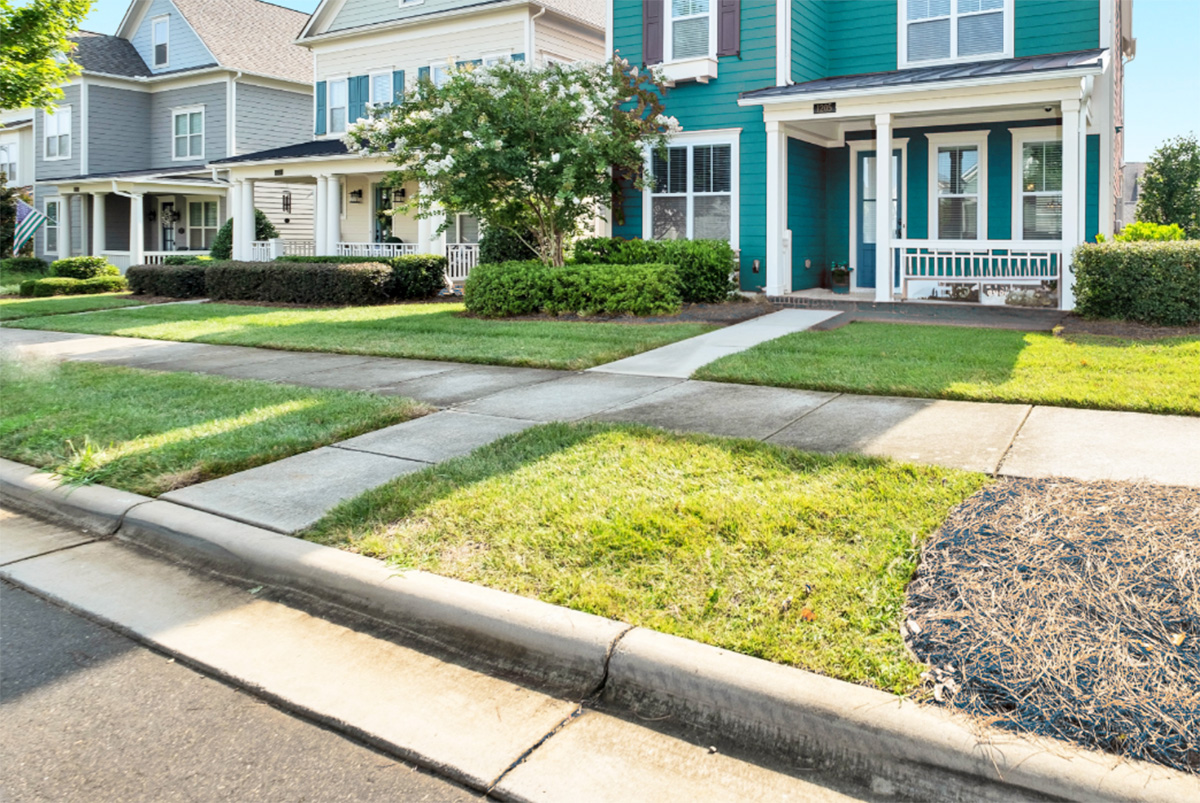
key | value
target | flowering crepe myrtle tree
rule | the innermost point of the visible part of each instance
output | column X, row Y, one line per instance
column 528, row 149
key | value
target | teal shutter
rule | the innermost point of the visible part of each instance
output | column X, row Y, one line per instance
column 518, row 56
column 423, row 74
column 320, row 127
column 398, row 86
column 359, row 90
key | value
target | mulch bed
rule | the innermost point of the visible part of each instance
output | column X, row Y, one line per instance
column 1069, row 609
column 1074, row 325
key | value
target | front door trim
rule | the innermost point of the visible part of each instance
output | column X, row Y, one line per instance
column 856, row 145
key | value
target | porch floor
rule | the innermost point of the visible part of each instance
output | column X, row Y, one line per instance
column 861, row 306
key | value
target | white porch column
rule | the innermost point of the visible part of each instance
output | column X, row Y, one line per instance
column 883, row 207
column 137, row 223
column 98, row 231
column 778, row 271
column 64, row 227
column 245, row 222
column 319, row 214
column 333, row 214
column 233, row 202
column 1072, row 198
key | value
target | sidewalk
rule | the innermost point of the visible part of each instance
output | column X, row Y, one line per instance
column 483, row 403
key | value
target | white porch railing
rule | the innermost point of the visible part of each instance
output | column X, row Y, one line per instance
column 300, row 248
column 460, row 258
column 386, row 250
column 118, row 258
column 993, row 262
column 260, row 251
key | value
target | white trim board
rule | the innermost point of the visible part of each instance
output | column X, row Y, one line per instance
column 724, row 136
column 856, row 147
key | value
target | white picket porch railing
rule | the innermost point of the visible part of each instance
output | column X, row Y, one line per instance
column 260, row 251
column 994, row 262
column 300, row 248
column 385, row 250
column 460, row 259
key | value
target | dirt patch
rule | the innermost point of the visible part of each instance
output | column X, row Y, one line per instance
column 1069, row 609
column 1074, row 325
column 727, row 313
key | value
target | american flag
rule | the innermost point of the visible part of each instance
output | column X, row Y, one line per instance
column 29, row 220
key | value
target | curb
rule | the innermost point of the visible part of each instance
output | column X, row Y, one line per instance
column 896, row 745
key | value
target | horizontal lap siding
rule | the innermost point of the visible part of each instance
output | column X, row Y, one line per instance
column 118, row 129
column 809, row 40
column 216, row 137
column 185, row 50
column 357, row 13
column 563, row 39
column 862, row 36
column 58, row 168
column 116, row 222
column 837, row 205
column 271, row 118
column 1055, row 26
column 807, row 212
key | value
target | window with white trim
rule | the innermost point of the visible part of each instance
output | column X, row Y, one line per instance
column 439, row 73
column 202, row 224
column 488, row 61
column 691, row 193
column 8, row 163
column 954, row 30
column 690, row 29
column 188, row 128
column 339, row 100
column 160, row 32
column 1041, row 190
column 462, row 229
column 51, row 226
column 381, row 89
column 959, row 187
column 58, row 133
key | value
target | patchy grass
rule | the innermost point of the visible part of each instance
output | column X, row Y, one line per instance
column 789, row 556
column 10, row 280
column 419, row 331
column 151, row 432
column 947, row 362
column 15, row 308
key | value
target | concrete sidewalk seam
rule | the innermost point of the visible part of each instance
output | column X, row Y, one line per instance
column 1012, row 441
column 379, row 454
column 52, row 551
column 521, row 759
column 802, row 416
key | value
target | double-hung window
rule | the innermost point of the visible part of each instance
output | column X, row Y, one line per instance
column 462, row 228
column 8, row 164
column 957, row 174
column 339, row 96
column 691, row 195
column 51, row 226
column 691, row 29
column 188, row 125
column 439, row 73
column 1038, row 205
column 381, row 90
column 954, row 30
column 58, row 133
column 202, row 224
column 160, row 30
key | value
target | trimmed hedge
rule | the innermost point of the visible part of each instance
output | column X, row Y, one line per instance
column 413, row 276
column 1150, row 282
column 67, row 286
column 704, row 265
column 503, row 245
column 506, row 289
column 23, row 265
column 172, row 281
column 83, row 268
column 296, row 283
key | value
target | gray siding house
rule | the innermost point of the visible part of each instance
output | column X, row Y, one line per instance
column 121, row 166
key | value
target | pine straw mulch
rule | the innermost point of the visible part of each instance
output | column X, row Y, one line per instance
column 1069, row 609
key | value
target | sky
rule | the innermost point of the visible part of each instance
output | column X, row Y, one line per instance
column 1162, row 85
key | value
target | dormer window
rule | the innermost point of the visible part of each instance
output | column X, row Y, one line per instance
column 690, row 29
column 941, row 31
column 160, row 30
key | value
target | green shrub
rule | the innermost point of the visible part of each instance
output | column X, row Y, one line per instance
column 506, row 289
column 222, row 247
column 83, row 268
column 1142, row 231
column 298, row 283
column 187, row 259
column 172, row 281
column 413, row 276
column 1150, row 282
column 104, row 284
column 68, row 286
column 704, row 265
column 23, row 265
column 503, row 245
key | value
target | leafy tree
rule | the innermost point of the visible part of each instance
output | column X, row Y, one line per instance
column 522, row 148
column 222, row 247
column 1170, row 191
column 35, row 50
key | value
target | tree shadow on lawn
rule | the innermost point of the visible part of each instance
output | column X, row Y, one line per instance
column 781, row 554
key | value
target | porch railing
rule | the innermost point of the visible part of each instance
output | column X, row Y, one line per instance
column 260, row 251
column 460, row 258
column 993, row 262
column 300, row 248
column 385, row 250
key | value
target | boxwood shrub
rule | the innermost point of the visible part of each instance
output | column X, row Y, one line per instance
column 298, row 283
column 413, row 276
column 67, row 286
column 506, row 289
column 704, row 265
column 23, row 265
column 172, row 281
column 1149, row 282
column 83, row 268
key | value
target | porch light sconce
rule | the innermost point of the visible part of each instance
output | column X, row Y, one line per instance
column 756, row 265
column 399, row 195
column 356, row 196
column 182, row 230
column 152, row 216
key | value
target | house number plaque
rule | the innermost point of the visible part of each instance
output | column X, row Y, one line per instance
column 824, row 108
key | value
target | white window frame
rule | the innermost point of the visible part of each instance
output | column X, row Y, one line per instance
column 434, row 67
column 488, row 60
column 373, row 101
column 902, row 36
column 457, row 217
column 52, row 225
column 57, row 116
column 669, row 33
column 188, row 110
column 201, row 201
column 1022, row 137
column 729, row 136
column 977, row 139
column 154, row 43
column 329, row 107
column 13, row 149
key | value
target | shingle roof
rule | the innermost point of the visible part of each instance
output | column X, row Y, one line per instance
column 97, row 52
column 999, row 69
column 301, row 150
column 251, row 35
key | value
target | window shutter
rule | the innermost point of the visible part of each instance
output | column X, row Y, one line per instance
column 652, row 32
column 423, row 74
column 398, row 86
column 320, row 128
column 729, row 27
column 518, row 56
column 359, row 91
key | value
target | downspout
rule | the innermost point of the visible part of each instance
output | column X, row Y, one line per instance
column 233, row 114
column 530, row 37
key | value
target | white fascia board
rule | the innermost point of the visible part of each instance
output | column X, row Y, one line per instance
column 326, row 9
column 432, row 26
column 133, row 18
column 370, row 164
column 409, row 22
column 181, row 80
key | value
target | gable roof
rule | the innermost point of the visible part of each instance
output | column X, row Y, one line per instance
column 251, row 35
column 591, row 13
column 112, row 55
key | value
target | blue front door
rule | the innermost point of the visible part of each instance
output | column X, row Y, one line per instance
column 867, row 203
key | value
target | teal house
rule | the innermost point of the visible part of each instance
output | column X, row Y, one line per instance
column 1001, row 119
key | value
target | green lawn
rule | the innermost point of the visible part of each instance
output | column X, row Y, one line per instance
column 14, row 308
column 793, row 557
column 150, row 432
column 947, row 362
column 10, row 280
column 420, row 331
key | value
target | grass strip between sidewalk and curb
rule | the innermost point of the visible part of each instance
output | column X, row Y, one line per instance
column 415, row 331
column 988, row 365
column 12, row 309
column 797, row 558
column 150, row 432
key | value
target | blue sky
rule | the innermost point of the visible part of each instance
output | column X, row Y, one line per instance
column 1162, row 85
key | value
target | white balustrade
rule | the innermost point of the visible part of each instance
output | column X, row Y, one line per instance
column 260, row 251
column 300, row 248
column 991, row 262
column 460, row 258
column 384, row 250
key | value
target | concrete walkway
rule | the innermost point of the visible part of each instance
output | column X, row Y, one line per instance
column 483, row 403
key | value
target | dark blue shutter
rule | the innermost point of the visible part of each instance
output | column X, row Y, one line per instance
column 359, row 91
column 652, row 31
column 729, row 27
column 320, row 128
column 398, row 86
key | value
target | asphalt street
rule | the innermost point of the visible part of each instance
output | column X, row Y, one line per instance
column 86, row 714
